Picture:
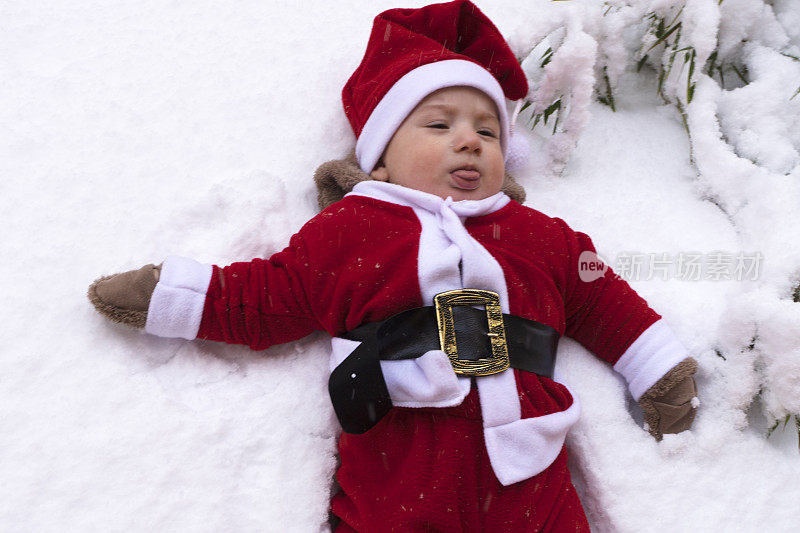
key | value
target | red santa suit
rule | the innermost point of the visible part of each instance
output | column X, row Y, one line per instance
column 455, row 453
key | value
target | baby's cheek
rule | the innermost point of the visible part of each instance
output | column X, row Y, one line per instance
column 420, row 167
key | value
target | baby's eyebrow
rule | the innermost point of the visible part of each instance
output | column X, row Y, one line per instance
column 451, row 109
column 487, row 115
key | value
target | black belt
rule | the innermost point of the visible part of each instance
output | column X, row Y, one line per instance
column 357, row 386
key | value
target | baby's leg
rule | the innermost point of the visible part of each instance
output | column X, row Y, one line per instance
column 427, row 470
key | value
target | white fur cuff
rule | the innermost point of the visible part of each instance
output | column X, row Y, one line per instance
column 176, row 307
column 654, row 353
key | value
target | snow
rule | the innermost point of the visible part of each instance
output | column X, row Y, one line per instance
column 136, row 130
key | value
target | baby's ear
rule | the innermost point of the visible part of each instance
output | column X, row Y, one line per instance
column 380, row 173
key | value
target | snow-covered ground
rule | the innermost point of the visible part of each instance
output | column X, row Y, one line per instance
column 132, row 130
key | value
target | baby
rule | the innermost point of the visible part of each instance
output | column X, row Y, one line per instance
column 444, row 296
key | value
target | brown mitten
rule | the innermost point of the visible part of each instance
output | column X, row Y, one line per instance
column 125, row 297
column 669, row 406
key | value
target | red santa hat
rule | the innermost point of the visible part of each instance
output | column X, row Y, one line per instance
column 414, row 52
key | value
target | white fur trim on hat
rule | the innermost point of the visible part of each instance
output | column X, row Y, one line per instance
column 409, row 90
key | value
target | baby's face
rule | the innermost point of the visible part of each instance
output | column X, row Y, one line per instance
column 448, row 146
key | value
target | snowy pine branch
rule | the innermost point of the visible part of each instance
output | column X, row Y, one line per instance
column 731, row 71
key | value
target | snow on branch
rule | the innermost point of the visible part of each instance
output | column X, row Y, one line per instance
column 731, row 68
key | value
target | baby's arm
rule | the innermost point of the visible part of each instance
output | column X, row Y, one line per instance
column 610, row 319
column 257, row 303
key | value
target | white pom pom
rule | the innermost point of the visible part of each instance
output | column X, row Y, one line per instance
column 518, row 151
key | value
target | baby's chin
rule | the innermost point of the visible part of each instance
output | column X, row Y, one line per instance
column 444, row 191
column 460, row 194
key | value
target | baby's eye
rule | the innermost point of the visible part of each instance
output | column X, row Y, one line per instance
column 487, row 133
column 438, row 125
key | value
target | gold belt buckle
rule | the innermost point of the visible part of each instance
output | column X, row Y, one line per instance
column 498, row 361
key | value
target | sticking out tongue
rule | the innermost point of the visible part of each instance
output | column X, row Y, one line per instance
column 466, row 179
column 467, row 174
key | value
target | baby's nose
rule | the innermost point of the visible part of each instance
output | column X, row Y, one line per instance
column 467, row 140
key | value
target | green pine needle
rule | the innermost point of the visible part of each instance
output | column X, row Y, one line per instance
column 739, row 73
column 609, row 99
column 685, row 119
column 712, row 62
column 665, row 36
column 777, row 423
column 689, row 84
column 660, row 29
column 552, row 108
column 665, row 74
column 678, row 14
column 797, row 425
column 785, row 422
column 684, row 49
column 546, row 57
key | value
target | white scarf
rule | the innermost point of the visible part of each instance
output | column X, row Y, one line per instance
column 518, row 448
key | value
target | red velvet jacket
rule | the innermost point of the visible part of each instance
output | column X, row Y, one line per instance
column 377, row 251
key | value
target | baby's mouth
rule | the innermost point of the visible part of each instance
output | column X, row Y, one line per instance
column 466, row 179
